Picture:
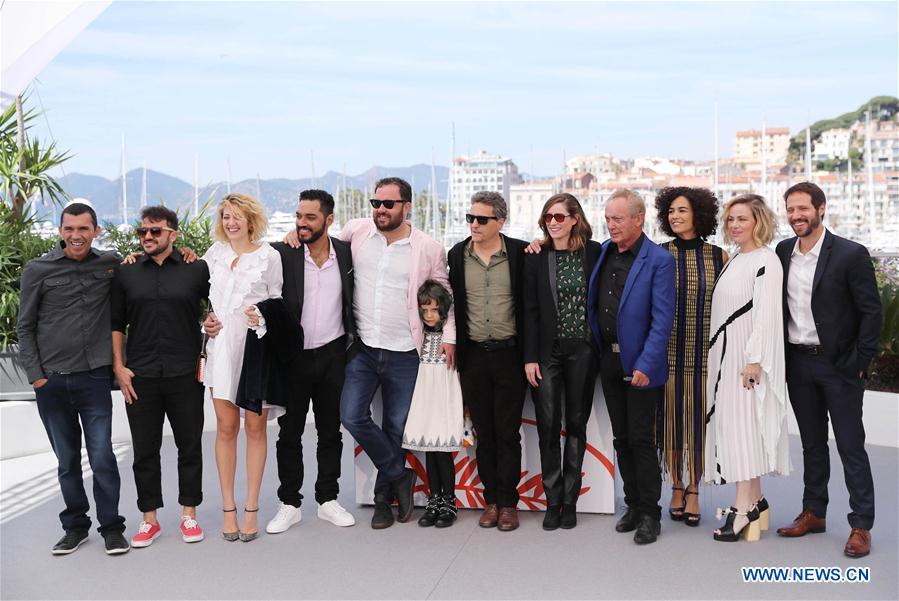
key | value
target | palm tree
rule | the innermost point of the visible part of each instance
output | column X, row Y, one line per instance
column 25, row 164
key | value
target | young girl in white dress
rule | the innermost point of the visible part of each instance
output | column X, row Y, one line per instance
column 243, row 271
column 435, row 421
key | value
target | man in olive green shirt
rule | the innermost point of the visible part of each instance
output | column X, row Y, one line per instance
column 486, row 276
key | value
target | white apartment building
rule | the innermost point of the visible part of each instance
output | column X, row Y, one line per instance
column 748, row 148
column 832, row 144
column 885, row 146
column 525, row 205
column 592, row 163
column 482, row 172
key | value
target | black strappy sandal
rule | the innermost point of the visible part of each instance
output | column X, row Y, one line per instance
column 677, row 513
column 691, row 519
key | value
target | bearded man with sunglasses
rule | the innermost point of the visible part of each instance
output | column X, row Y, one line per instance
column 486, row 271
column 157, row 300
column 391, row 260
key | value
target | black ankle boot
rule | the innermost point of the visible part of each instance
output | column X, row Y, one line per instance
column 628, row 521
column 553, row 518
column 432, row 510
column 647, row 530
column 569, row 516
column 448, row 512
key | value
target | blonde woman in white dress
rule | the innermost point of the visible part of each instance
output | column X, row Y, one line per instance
column 243, row 271
column 746, row 386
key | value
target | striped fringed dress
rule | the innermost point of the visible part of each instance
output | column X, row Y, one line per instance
column 680, row 422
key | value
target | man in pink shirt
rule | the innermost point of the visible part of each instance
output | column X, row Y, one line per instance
column 318, row 292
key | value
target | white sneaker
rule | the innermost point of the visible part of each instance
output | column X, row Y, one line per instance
column 287, row 516
column 334, row 513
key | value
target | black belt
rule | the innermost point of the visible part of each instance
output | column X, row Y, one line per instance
column 496, row 345
column 807, row 349
column 337, row 344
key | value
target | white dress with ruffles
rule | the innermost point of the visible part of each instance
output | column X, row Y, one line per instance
column 256, row 277
column 436, row 420
column 746, row 431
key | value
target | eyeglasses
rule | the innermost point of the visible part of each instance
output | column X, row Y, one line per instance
column 388, row 204
column 559, row 217
column 153, row 231
column 481, row 219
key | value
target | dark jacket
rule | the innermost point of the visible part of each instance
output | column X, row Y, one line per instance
column 645, row 313
column 845, row 303
column 293, row 266
column 456, row 262
column 541, row 300
column 267, row 360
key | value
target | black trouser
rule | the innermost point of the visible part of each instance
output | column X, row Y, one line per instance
column 179, row 398
column 572, row 369
column 493, row 386
column 441, row 472
column 632, row 414
column 816, row 389
column 316, row 375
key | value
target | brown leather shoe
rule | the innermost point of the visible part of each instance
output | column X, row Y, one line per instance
column 804, row 523
column 489, row 518
column 859, row 543
column 508, row 519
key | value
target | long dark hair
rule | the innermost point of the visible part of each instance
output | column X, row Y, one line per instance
column 580, row 231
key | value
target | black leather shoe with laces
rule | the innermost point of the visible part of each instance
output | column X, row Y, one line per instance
column 70, row 542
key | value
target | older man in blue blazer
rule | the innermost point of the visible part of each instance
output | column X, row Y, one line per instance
column 630, row 308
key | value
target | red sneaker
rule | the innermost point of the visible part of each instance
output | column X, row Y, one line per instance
column 190, row 530
column 146, row 534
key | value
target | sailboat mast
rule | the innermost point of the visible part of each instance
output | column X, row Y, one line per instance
column 869, row 166
column 196, row 185
column 449, row 187
column 716, row 153
column 124, row 186
column 144, row 191
column 808, row 148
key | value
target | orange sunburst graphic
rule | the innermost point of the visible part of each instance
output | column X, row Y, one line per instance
column 470, row 489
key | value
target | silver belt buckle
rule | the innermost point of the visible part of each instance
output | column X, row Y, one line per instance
column 616, row 348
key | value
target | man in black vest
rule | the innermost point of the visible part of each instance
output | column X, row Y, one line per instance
column 318, row 292
column 486, row 273
column 832, row 319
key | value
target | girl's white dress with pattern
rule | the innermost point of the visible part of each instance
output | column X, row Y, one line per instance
column 256, row 277
column 746, row 432
column 435, row 421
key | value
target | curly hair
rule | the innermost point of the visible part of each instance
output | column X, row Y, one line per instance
column 703, row 202
column 251, row 209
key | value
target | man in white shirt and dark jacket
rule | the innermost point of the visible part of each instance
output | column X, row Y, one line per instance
column 833, row 316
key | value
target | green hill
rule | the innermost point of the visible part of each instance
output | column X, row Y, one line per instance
column 882, row 108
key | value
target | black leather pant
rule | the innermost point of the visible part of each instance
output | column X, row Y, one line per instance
column 571, row 368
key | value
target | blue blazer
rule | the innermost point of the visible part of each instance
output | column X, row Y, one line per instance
column 646, row 312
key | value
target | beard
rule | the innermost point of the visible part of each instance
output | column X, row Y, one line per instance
column 312, row 236
column 160, row 249
column 812, row 225
column 391, row 225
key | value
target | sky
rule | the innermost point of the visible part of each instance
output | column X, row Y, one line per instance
column 281, row 88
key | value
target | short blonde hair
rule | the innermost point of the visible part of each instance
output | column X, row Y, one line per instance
column 251, row 209
column 634, row 200
column 765, row 220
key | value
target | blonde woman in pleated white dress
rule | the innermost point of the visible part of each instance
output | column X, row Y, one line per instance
column 243, row 271
column 746, row 386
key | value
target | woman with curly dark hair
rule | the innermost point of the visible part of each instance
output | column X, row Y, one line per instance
column 689, row 215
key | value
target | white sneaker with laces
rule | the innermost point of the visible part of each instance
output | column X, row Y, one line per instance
column 287, row 516
column 334, row 513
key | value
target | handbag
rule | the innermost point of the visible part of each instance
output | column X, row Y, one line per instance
column 201, row 360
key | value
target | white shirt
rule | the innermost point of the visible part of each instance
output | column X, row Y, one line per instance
column 322, row 318
column 379, row 299
column 801, row 323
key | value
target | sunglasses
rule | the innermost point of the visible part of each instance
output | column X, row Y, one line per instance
column 153, row 231
column 481, row 219
column 559, row 217
column 388, row 204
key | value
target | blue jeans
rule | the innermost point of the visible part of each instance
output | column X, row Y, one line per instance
column 395, row 372
column 61, row 402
